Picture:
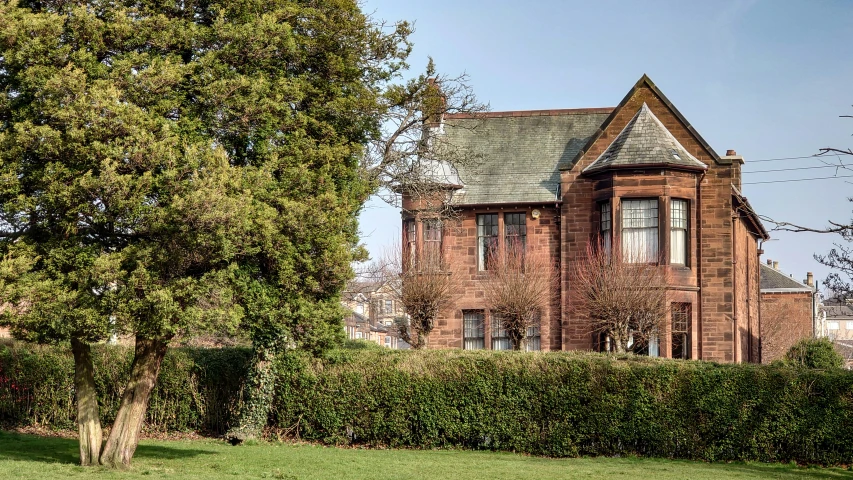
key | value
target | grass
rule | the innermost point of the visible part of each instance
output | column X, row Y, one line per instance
column 30, row 457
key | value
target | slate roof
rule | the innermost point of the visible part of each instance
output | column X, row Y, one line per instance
column 775, row 281
column 644, row 141
column 522, row 152
column 837, row 310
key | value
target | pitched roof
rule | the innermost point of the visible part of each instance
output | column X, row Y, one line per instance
column 773, row 280
column 837, row 309
column 522, row 152
column 645, row 141
column 745, row 211
column 644, row 81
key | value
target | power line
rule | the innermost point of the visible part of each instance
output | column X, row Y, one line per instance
column 782, row 159
column 799, row 179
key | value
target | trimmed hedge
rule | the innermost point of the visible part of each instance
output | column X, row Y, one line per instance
column 198, row 389
column 554, row 404
column 564, row 404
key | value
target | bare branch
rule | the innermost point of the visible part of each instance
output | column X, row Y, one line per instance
column 424, row 285
column 625, row 300
column 517, row 289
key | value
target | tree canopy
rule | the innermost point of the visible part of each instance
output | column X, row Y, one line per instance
column 176, row 167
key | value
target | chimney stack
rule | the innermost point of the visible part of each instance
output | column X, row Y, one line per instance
column 736, row 161
column 775, row 265
column 810, row 279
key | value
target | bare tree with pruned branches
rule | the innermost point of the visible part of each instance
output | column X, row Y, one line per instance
column 778, row 332
column 625, row 300
column 424, row 285
column 517, row 289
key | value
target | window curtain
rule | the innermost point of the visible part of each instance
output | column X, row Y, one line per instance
column 500, row 340
column 487, row 237
column 473, row 335
column 640, row 231
column 533, row 339
column 678, row 232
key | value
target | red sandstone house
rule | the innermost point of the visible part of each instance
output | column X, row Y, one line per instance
column 639, row 172
column 789, row 311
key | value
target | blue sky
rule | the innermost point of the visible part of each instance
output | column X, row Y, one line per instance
column 766, row 78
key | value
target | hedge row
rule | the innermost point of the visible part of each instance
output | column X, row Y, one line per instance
column 554, row 404
column 198, row 389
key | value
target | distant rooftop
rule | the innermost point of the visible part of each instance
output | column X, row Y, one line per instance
column 773, row 280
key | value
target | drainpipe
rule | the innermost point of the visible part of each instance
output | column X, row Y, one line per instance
column 735, row 350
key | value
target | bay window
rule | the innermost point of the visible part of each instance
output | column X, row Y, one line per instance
column 640, row 231
column 410, row 238
column 432, row 239
column 678, row 232
column 606, row 226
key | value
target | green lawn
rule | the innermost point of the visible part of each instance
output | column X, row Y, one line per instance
column 28, row 456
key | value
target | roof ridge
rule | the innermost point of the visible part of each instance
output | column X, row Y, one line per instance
column 786, row 277
column 531, row 113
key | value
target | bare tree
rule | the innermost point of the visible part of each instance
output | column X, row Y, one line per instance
column 517, row 289
column 625, row 300
column 425, row 286
column 409, row 153
column 778, row 332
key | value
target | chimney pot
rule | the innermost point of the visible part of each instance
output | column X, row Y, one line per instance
column 731, row 153
column 810, row 279
column 769, row 262
column 775, row 265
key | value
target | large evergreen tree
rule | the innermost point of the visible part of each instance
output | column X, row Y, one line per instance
column 171, row 167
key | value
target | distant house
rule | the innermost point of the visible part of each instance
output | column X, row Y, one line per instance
column 838, row 324
column 373, row 306
column 788, row 311
column 555, row 181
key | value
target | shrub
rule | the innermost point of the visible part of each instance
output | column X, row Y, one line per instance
column 554, row 404
column 814, row 353
column 568, row 404
column 198, row 389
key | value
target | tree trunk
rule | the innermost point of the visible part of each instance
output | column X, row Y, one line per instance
column 88, row 418
column 124, row 435
column 260, row 392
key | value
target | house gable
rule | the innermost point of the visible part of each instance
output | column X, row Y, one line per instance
column 644, row 92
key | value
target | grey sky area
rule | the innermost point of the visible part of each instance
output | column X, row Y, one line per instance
column 766, row 78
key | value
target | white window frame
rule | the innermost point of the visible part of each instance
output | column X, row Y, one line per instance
column 486, row 231
column 640, row 230
column 606, row 225
column 473, row 330
column 679, row 238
